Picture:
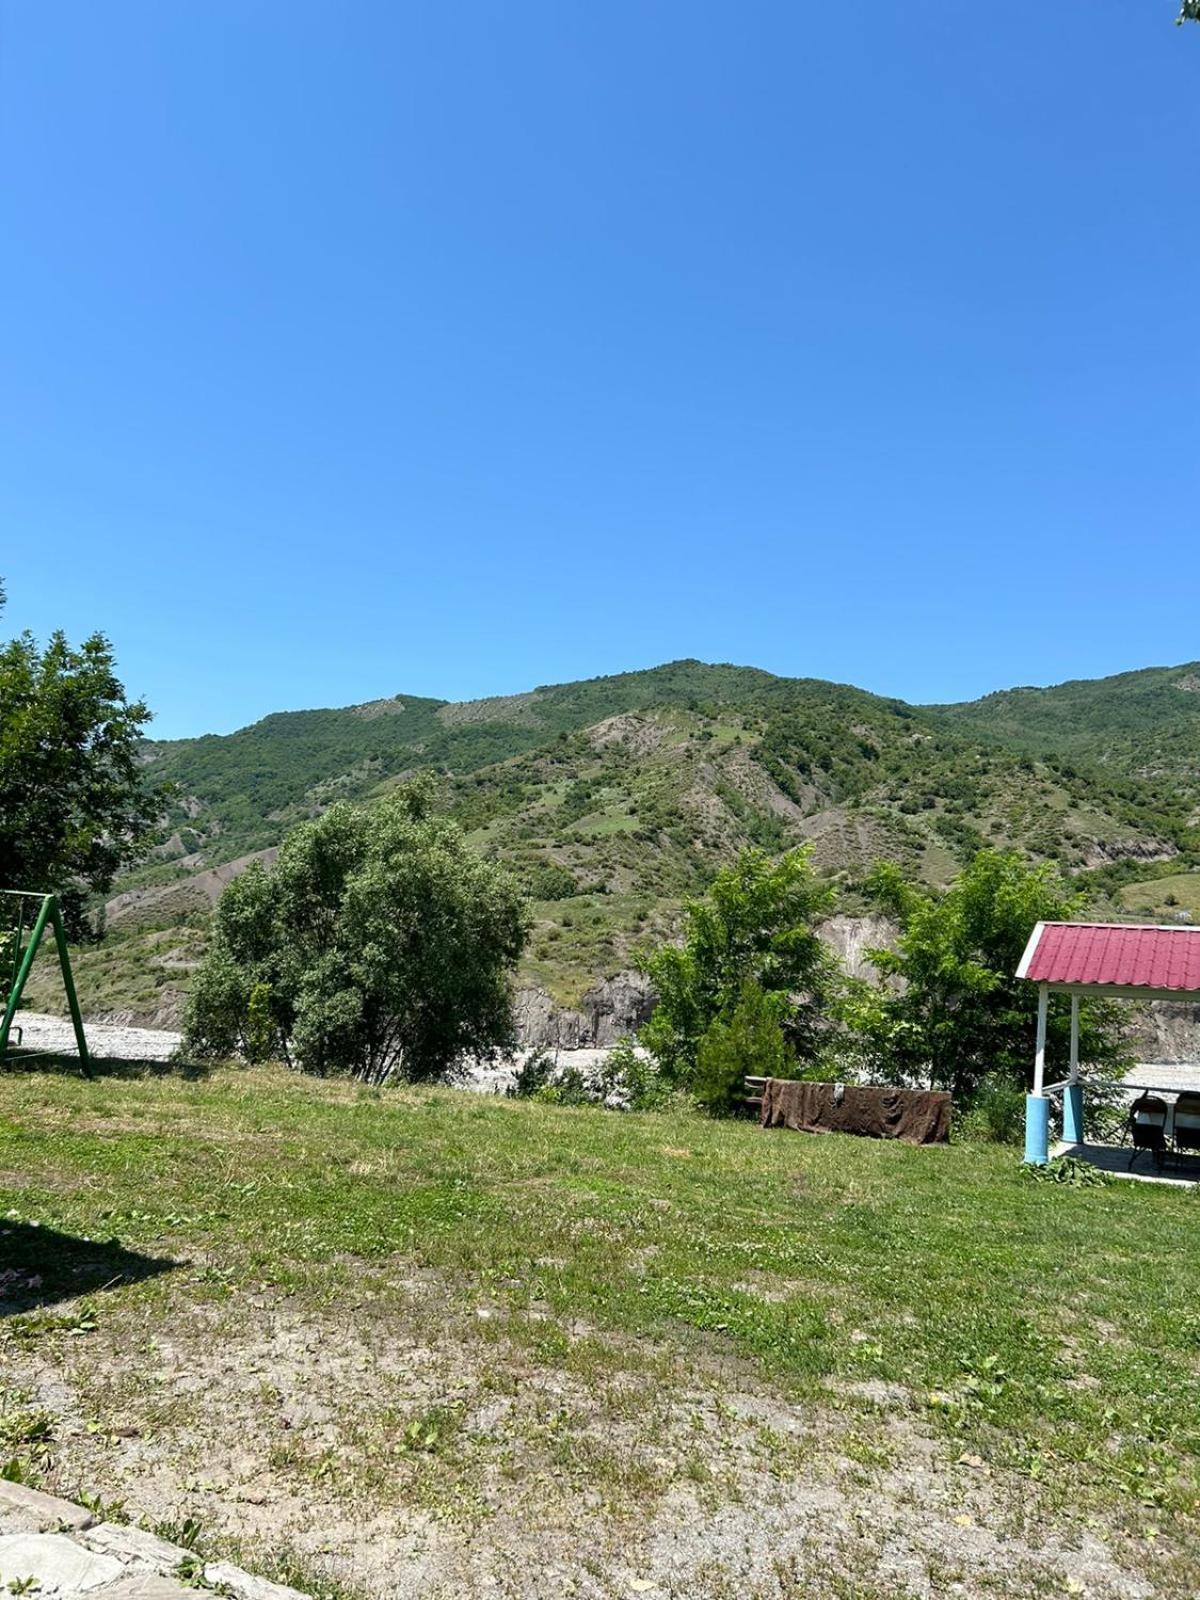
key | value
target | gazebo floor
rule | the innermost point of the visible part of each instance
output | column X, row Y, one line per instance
column 1182, row 1172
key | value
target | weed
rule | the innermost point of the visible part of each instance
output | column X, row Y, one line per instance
column 1071, row 1171
column 186, row 1533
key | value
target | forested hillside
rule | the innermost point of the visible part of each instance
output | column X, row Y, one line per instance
column 1140, row 726
column 615, row 797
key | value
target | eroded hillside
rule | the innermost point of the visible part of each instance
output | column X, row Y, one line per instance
column 614, row 798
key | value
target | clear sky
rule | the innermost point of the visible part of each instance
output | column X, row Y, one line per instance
column 357, row 348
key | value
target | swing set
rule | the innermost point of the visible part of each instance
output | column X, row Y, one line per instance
column 24, row 918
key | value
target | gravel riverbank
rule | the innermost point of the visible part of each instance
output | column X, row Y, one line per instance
column 115, row 1042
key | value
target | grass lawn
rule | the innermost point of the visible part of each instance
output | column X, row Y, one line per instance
column 420, row 1342
column 1163, row 896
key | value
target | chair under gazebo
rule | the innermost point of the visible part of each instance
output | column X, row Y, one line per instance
column 1116, row 960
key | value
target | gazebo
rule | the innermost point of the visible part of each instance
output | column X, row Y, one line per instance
column 1121, row 960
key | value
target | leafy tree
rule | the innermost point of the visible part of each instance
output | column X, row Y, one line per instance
column 1189, row 11
column 379, row 945
column 755, row 924
column 74, row 804
column 949, row 1010
column 748, row 1041
column 546, row 880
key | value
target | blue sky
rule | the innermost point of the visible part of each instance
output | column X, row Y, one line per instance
column 354, row 349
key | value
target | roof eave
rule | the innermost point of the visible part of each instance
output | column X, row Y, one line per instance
column 1118, row 991
column 1034, row 937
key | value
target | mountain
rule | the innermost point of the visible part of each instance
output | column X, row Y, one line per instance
column 614, row 798
column 1143, row 726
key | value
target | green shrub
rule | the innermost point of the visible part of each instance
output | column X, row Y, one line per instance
column 533, row 1074
column 548, row 881
column 635, row 1077
column 749, row 1042
column 568, row 1087
column 624, row 1081
column 996, row 1114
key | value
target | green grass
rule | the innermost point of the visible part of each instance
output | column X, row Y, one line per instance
column 1163, row 896
column 141, row 970
column 577, row 941
column 1057, row 1331
column 600, row 824
column 1053, row 1332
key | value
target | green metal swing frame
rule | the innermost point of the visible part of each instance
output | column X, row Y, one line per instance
column 24, row 951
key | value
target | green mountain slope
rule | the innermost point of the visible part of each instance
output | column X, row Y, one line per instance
column 1092, row 716
column 615, row 797
column 1143, row 726
column 639, row 780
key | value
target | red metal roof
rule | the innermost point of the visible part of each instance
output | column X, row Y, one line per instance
column 1114, row 955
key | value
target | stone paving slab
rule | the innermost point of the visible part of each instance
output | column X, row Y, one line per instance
column 245, row 1586
column 37, row 1512
column 140, row 1550
column 66, row 1553
column 56, row 1562
column 148, row 1586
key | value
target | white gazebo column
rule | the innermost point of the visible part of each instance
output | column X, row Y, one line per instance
column 1037, row 1107
column 1073, row 1093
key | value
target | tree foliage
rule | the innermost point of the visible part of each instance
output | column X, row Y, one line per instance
column 749, row 1040
column 756, row 924
column 74, row 805
column 377, row 945
column 949, row 1010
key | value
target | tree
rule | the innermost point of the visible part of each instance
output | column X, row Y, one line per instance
column 74, row 804
column 949, row 1010
column 379, row 945
column 749, row 1040
column 1189, row 11
column 755, row 924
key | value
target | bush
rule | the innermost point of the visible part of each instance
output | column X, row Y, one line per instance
column 996, row 1114
column 624, row 1081
column 749, row 1042
column 536, row 1072
column 548, row 881
column 635, row 1078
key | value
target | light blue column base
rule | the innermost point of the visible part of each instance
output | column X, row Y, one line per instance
column 1073, row 1114
column 1037, row 1130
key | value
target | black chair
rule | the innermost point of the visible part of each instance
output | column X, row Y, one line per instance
column 1148, row 1127
column 1186, row 1126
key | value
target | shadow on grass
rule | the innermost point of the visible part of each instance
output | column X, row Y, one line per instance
column 41, row 1267
column 49, row 1061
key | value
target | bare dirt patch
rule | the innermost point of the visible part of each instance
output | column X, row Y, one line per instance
column 641, row 735
column 412, row 1438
